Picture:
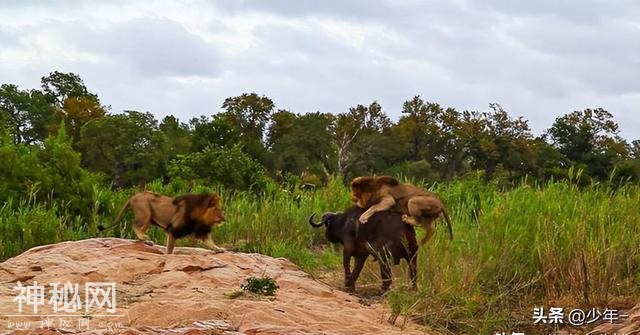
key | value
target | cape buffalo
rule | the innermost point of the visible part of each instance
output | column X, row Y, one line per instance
column 381, row 237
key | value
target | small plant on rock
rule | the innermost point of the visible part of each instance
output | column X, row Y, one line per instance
column 261, row 286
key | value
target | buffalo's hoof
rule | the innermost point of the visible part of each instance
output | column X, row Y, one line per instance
column 350, row 289
column 393, row 318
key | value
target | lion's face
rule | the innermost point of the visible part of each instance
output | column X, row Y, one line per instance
column 359, row 198
column 361, row 191
column 213, row 214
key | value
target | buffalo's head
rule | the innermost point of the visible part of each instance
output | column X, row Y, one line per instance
column 334, row 223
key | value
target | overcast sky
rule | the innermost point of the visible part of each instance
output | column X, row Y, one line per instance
column 539, row 59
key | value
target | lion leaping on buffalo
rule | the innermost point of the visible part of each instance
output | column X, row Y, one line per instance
column 418, row 206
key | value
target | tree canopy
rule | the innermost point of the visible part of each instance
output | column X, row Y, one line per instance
column 248, row 141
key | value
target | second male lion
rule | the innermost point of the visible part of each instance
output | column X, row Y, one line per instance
column 189, row 214
column 420, row 207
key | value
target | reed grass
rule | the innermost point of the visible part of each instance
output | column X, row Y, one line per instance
column 513, row 249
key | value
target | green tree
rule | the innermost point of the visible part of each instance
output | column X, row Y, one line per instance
column 434, row 138
column 589, row 137
column 74, row 103
column 129, row 147
column 449, row 145
column 635, row 149
column 249, row 114
column 64, row 178
column 75, row 113
column 355, row 134
column 217, row 131
column 301, row 143
column 24, row 113
column 513, row 142
column 282, row 124
column 19, row 169
column 59, row 86
column 47, row 172
column 551, row 163
column 228, row 167
column 178, row 135
column 418, row 126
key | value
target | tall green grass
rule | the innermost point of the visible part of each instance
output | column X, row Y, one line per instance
column 555, row 244
column 514, row 250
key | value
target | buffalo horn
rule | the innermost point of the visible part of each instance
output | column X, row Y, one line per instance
column 313, row 224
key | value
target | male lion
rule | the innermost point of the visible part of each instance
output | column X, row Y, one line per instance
column 418, row 206
column 189, row 214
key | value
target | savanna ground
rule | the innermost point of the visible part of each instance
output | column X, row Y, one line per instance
column 514, row 249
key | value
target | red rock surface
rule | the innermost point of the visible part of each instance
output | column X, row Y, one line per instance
column 627, row 326
column 186, row 293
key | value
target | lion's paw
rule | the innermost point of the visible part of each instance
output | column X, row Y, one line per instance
column 409, row 220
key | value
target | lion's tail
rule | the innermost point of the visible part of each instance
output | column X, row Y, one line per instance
column 117, row 219
column 446, row 218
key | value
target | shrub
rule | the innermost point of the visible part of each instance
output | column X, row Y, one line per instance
column 260, row 286
column 229, row 167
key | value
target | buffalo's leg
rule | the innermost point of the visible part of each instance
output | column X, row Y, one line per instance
column 413, row 269
column 360, row 260
column 412, row 259
column 171, row 243
column 412, row 254
column 385, row 270
column 346, row 262
column 409, row 253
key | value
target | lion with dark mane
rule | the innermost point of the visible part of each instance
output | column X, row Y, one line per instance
column 188, row 214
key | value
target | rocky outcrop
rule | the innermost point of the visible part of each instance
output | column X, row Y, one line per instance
column 189, row 292
column 628, row 326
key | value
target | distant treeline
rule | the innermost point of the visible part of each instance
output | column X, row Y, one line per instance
column 63, row 130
